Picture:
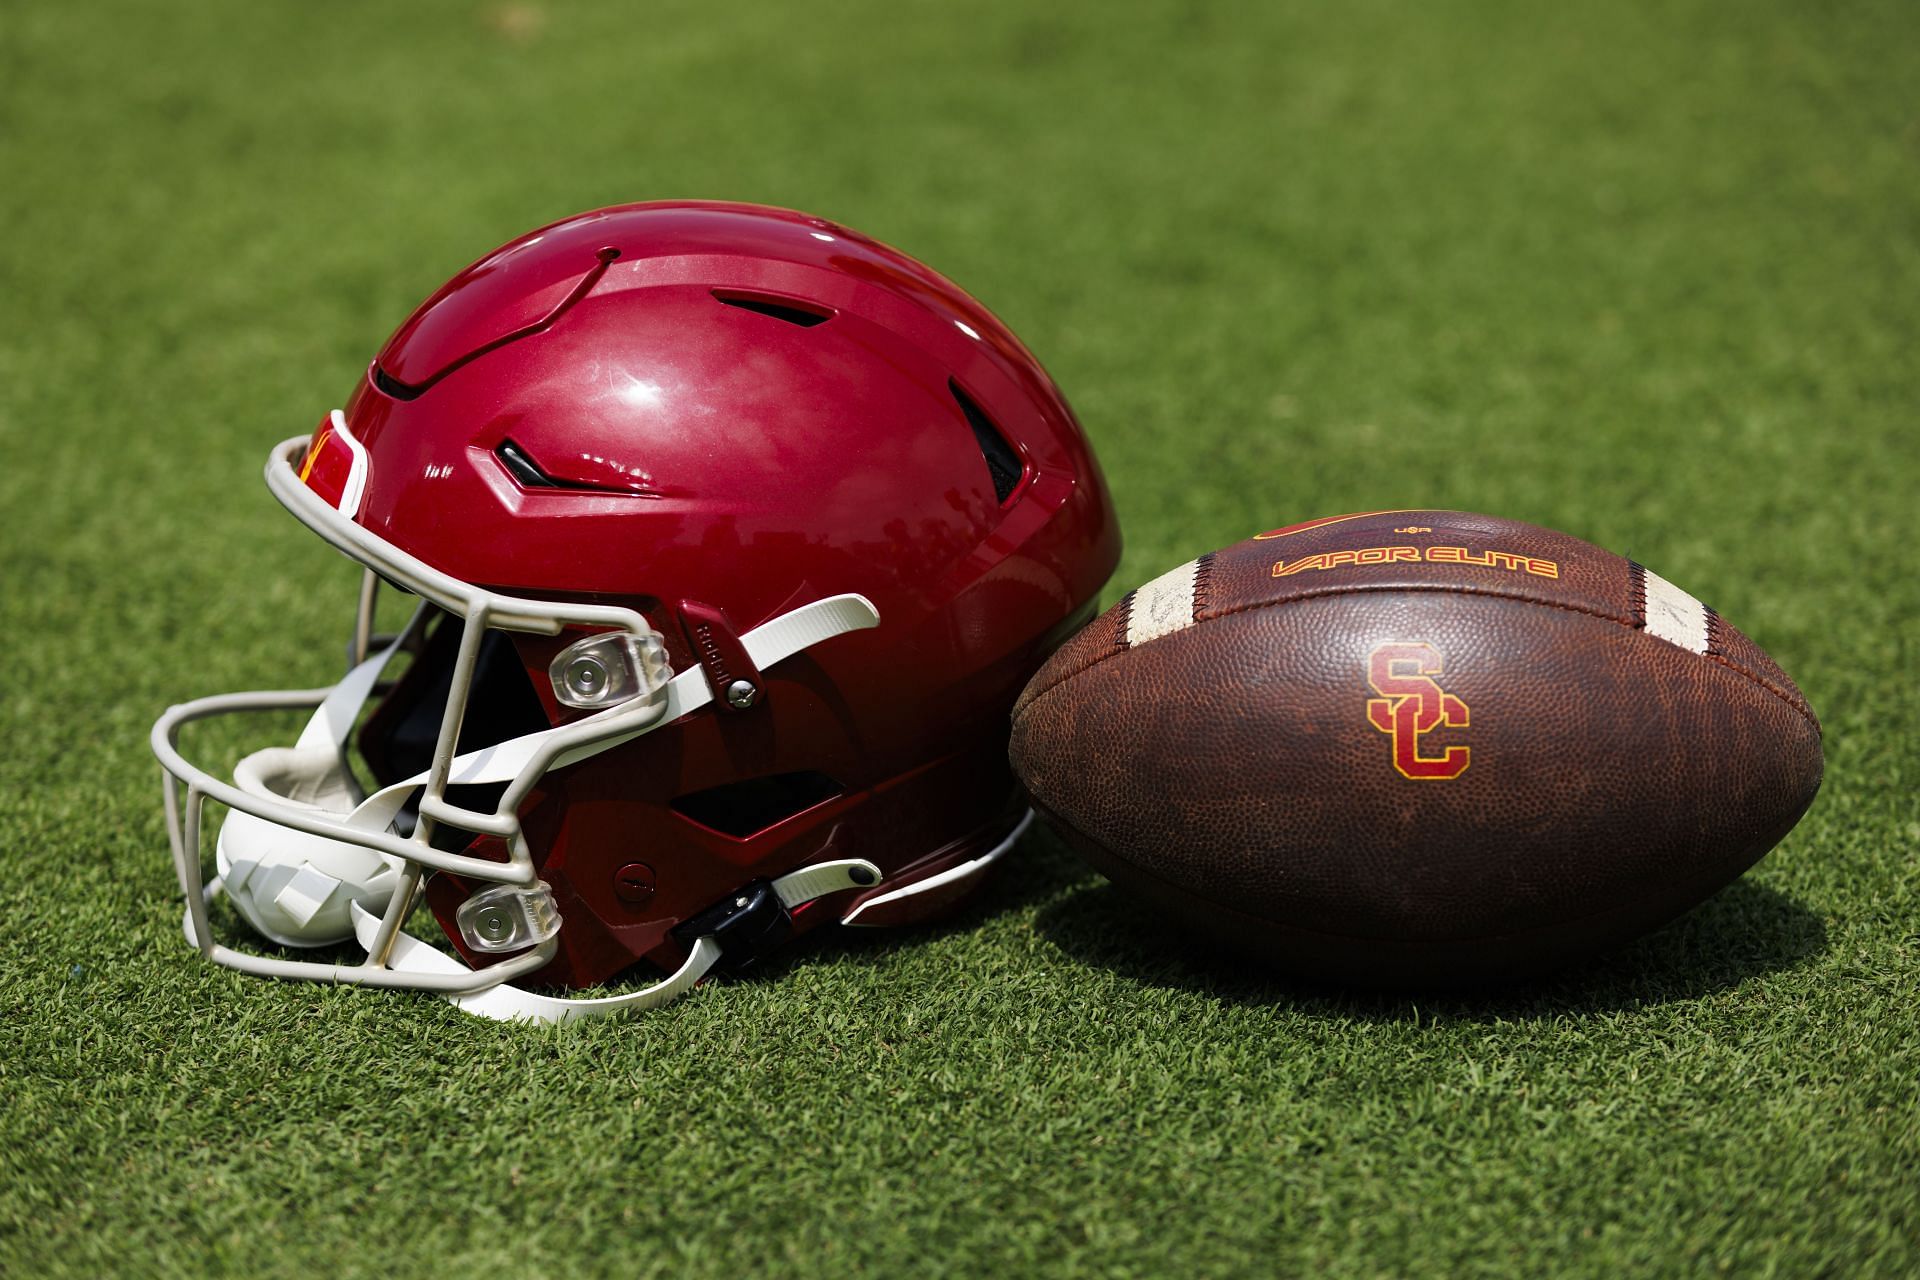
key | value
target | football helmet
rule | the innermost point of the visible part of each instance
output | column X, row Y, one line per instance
column 732, row 535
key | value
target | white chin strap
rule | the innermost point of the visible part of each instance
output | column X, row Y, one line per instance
column 306, row 890
column 515, row 1004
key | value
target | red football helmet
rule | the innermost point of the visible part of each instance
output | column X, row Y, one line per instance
column 735, row 534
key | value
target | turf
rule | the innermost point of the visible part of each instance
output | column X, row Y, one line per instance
column 1648, row 273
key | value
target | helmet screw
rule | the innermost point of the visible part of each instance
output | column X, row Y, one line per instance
column 633, row 883
column 494, row 924
column 742, row 694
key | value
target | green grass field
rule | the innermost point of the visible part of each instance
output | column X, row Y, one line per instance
column 1649, row 274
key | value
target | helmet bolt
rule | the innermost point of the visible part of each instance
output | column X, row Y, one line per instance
column 742, row 694
column 633, row 883
column 586, row 676
column 494, row 924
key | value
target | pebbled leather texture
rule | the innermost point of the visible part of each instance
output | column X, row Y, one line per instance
column 1231, row 770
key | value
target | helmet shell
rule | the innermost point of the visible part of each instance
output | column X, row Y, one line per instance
column 733, row 410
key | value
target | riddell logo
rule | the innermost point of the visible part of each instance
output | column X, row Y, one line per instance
column 1411, row 704
column 711, row 658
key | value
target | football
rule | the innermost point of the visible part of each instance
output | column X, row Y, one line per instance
column 1416, row 748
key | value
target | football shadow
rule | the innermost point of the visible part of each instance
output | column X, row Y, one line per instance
column 1742, row 932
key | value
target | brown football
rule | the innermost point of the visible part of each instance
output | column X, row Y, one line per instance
column 1416, row 748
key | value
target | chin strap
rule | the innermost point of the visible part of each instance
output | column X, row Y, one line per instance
column 515, row 1004
column 873, row 911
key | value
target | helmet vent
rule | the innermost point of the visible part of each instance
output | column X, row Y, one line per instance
column 390, row 385
column 1003, row 464
column 779, row 308
column 523, row 468
column 743, row 809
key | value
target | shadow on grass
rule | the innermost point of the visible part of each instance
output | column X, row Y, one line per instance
column 1742, row 932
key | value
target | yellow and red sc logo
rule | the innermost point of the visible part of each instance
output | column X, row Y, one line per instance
column 1412, row 704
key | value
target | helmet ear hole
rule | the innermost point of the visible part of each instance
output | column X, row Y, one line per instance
column 745, row 809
